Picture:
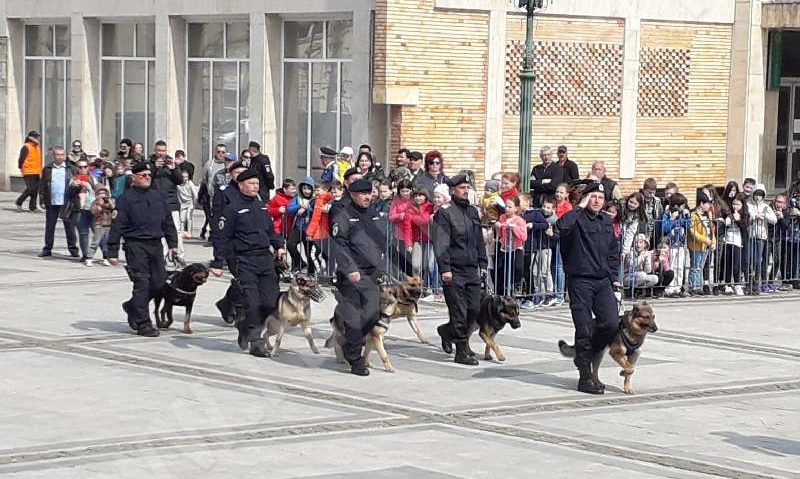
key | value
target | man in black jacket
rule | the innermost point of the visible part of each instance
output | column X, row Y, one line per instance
column 569, row 167
column 261, row 164
column 55, row 197
column 166, row 178
column 545, row 177
column 461, row 255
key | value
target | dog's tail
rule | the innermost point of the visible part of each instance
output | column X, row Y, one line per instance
column 566, row 350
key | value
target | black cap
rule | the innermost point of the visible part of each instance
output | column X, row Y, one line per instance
column 254, row 144
column 416, row 155
column 237, row 164
column 139, row 167
column 246, row 175
column 457, row 180
column 350, row 172
column 326, row 151
column 595, row 186
column 360, row 186
column 34, row 134
column 562, row 148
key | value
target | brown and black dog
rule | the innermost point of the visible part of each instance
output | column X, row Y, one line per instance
column 180, row 289
column 624, row 348
column 402, row 300
column 294, row 309
column 496, row 311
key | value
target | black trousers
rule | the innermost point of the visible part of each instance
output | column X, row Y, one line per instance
column 234, row 295
column 592, row 334
column 259, row 282
column 463, row 298
column 293, row 240
column 51, row 218
column 360, row 310
column 31, row 191
column 147, row 271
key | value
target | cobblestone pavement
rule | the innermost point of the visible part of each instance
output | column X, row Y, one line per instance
column 717, row 392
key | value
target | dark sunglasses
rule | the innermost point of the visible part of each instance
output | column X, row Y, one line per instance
column 143, row 175
column 437, row 162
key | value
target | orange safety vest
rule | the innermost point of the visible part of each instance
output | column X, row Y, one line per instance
column 33, row 162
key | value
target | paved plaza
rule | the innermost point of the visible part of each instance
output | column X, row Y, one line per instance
column 81, row 397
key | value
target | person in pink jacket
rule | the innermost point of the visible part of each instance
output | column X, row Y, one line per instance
column 401, row 233
column 418, row 225
column 512, row 233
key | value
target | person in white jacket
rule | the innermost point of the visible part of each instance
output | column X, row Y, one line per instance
column 761, row 215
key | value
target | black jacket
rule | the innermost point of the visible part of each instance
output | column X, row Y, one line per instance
column 142, row 214
column 266, row 177
column 457, row 237
column 589, row 248
column 360, row 238
column 166, row 182
column 46, row 184
column 570, row 169
column 541, row 189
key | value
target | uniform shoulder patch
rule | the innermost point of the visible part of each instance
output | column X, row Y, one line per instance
column 335, row 229
column 114, row 214
column 221, row 224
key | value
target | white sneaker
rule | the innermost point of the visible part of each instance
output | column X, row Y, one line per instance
column 106, row 263
column 728, row 290
column 427, row 298
column 88, row 262
column 739, row 290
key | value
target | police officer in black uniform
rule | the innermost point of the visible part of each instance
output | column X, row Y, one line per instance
column 142, row 218
column 590, row 253
column 231, row 306
column 246, row 233
column 360, row 240
column 460, row 253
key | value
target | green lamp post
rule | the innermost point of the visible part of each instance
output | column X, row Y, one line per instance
column 527, row 78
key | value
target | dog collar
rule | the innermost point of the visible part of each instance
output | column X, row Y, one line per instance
column 178, row 290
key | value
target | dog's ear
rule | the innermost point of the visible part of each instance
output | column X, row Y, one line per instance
column 626, row 318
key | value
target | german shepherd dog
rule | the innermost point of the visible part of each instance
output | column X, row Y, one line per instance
column 624, row 348
column 496, row 311
column 180, row 289
column 401, row 300
column 294, row 308
column 373, row 339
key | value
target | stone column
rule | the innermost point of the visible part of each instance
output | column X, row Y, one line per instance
column 360, row 102
column 495, row 102
column 170, row 82
column 84, row 81
column 13, row 125
column 630, row 99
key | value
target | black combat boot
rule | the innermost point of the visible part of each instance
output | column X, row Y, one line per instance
column 447, row 340
column 147, row 330
column 241, row 340
column 128, row 308
column 359, row 368
column 586, row 384
column 259, row 349
column 462, row 357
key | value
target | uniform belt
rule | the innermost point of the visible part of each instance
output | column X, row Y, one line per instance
column 142, row 240
column 255, row 252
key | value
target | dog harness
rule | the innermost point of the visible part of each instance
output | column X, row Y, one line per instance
column 631, row 348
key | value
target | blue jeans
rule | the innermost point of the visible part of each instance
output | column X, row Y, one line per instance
column 559, row 278
column 82, row 219
column 696, row 271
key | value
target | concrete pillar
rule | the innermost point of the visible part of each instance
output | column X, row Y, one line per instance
column 15, row 97
column 265, row 86
column 5, row 169
column 170, row 81
column 360, row 71
column 630, row 98
column 85, row 81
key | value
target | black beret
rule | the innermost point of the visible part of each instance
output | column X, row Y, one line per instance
column 238, row 164
column 350, row 172
column 326, row 151
column 139, row 167
column 246, row 175
column 594, row 186
column 416, row 155
column 361, row 186
column 457, row 180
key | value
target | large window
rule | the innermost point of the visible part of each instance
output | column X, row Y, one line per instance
column 128, row 83
column 47, row 63
column 316, row 91
column 218, row 87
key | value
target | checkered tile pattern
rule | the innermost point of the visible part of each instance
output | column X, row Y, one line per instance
column 572, row 79
column 664, row 82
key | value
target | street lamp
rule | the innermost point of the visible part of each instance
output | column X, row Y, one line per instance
column 527, row 78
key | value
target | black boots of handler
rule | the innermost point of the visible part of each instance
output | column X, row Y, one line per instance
column 587, row 384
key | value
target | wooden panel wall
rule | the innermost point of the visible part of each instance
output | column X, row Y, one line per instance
column 589, row 138
column 444, row 54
